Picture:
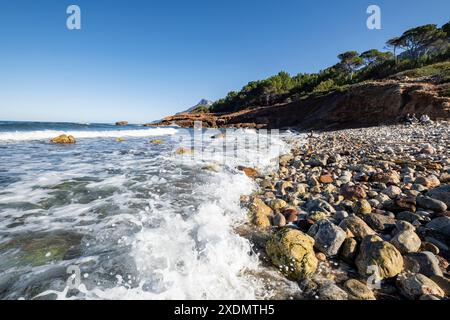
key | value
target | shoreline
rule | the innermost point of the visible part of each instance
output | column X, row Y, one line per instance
column 355, row 200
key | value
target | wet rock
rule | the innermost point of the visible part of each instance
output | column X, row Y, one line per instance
column 431, row 204
column 358, row 290
column 362, row 207
column 156, row 141
column 376, row 254
column 349, row 250
column 63, row 139
column 292, row 251
column 122, row 123
column 328, row 237
column 331, row 291
column 260, row 213
column 182, row 150
column 249, row 172
column 405, row 239
column 413, row 286
column 428, row 263
column 353, row 192
column 442, row 193
column 356, row 226
column 440, row 225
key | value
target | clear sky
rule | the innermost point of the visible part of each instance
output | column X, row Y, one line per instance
column 141, row 60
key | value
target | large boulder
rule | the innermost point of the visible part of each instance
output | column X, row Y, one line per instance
column 64, row 139
column 328, row 237
column 376, row 255
column 292, row 251
column 413, row 286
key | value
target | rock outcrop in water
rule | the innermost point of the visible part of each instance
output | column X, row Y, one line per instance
column 122, row 123
column 361, row 105
column 64, row 139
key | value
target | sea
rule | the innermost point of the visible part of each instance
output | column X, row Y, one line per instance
column 119, row 216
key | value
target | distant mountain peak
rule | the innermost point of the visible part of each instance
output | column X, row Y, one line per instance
column 202, row 102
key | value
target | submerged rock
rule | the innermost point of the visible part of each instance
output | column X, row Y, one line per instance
column 292, row 251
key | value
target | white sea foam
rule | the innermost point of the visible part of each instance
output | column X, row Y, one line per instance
column 180, row 239
column 48, row 134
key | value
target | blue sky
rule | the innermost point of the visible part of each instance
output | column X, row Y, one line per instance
column 141, row 60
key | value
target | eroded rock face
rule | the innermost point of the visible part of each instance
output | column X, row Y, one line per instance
column 292, row 251
column 64, row 139
column 363, row 105
column 413, row 286
column 379, row 254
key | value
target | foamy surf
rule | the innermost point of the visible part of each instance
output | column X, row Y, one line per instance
column 49, row 134
column 138, row 221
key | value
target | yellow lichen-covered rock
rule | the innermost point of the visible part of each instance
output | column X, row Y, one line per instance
column 278, row 204
column 63, row 139
column 362, row 207
column 156, row 141
column 292, row 251
column 184, row 151
column 378, row 256
column 260, row 213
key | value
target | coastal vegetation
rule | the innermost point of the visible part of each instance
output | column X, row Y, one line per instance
column 420, row 51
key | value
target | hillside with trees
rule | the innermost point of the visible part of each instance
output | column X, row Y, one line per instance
column 415, row 49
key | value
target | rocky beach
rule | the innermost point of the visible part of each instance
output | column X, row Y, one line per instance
column 359, row 214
